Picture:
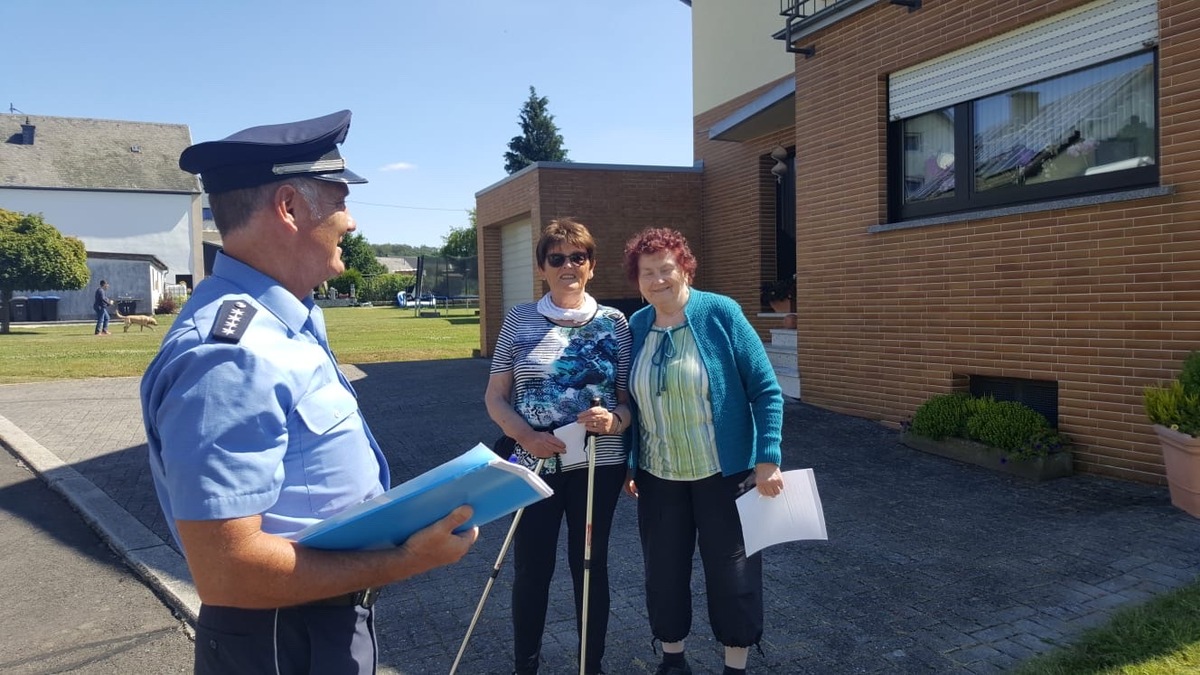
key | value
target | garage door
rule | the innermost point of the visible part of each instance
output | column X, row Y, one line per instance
column 516, row 263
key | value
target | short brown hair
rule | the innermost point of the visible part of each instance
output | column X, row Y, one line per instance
column 564, row 231
column 656, row 240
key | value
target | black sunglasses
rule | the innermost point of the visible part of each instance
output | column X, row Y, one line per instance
column 558, row 259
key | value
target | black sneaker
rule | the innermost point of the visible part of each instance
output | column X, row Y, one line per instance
column 681, row 668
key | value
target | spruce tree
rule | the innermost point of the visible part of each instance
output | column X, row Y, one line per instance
column 539, row 140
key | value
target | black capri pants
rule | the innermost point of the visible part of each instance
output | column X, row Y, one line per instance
column 672, row 516
column 536, row 549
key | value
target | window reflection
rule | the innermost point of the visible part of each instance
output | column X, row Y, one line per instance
column 1091, row 122
column 929, row 156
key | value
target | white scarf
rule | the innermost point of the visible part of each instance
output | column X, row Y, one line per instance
column 581, row 314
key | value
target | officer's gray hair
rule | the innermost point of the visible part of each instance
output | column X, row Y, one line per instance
column 308, row 189
column 233, row 209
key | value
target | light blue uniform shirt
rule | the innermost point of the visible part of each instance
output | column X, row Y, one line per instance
column 266, row 424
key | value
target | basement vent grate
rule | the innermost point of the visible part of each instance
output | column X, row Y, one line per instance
column 1041, row 395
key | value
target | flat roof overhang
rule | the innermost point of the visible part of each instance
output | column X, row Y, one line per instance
column 772, row 111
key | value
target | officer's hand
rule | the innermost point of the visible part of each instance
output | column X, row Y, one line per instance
column 542, row 444
column 437, row 545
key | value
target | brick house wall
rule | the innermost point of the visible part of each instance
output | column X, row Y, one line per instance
column 1103, row 299
column 614, row 202
column 736, row 252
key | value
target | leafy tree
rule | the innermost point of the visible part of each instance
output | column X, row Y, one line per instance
column 403, row 250
column 34, row 255
column 343, row 281
column 358, row 254
column 461, row 243
column 539, row 140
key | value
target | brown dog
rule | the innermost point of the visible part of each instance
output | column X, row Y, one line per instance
column 141, row 320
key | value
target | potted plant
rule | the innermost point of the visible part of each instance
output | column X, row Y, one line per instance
column 1005, row 436
column 1175, row 411
column 780, row 295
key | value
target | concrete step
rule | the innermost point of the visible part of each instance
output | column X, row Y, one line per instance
column 781, row 356
column 789, row 383
column 784, row 337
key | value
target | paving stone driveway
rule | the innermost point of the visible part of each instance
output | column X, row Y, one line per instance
column 931, row 566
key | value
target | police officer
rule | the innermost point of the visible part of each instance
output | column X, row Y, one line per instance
column 255, row 434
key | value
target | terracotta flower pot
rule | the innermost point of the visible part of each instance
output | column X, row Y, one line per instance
column 1181, row 455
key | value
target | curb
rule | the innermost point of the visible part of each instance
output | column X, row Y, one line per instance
column 161, row 566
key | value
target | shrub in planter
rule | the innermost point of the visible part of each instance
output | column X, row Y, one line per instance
column 1177, row 405
column 1006, row 425
column 941, row 416
column 999, row 434
column 1175, row 411
column 779, row 293
column 1174, row 407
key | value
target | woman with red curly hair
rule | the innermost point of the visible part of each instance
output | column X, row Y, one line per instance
column 707, row 419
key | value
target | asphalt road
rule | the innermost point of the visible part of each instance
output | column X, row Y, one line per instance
column 68, row 604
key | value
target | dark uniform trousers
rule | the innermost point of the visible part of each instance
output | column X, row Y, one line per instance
column 338, row 640
column 671, row 515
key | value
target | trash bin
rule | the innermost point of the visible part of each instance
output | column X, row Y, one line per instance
column 50, row 308
column 19, row 309
column 127, row 306
column 34, row 308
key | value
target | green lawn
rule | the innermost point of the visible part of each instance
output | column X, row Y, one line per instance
column 357, row 335
column 1161, row 637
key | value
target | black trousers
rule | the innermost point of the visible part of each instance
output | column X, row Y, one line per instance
column 291, row 641
column 672, row 515
column 535, row 548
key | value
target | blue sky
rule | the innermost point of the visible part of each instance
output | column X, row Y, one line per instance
column 435, row 86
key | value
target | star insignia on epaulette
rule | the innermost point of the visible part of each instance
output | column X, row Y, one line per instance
column 232, row 320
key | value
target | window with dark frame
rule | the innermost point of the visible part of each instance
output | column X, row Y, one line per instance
column 1089, row 131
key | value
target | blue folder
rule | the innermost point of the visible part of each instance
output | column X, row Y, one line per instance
column 492, row 486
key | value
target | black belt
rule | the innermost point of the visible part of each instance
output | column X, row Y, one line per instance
column 364, row 598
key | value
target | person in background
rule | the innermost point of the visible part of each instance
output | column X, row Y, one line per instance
column 707, row 423
column 101, row 303
column 551, row 358
column 254, row 433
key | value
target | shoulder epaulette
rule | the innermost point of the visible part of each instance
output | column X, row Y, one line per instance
column 232, row 320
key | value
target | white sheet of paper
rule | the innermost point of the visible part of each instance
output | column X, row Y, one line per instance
column 792, row 515
column 575, row 436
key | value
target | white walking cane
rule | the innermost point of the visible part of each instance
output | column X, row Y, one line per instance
column 587, row 544
column 512, row 530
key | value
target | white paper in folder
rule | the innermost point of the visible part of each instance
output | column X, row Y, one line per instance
column 792, row 515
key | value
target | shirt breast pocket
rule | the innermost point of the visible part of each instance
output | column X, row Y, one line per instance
column 325, row 408
column 335, row 466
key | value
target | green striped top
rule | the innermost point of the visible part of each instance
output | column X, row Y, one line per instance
column 670, row 383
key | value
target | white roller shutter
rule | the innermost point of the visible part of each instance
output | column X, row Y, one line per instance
column 516, row 263
column 1074, row 39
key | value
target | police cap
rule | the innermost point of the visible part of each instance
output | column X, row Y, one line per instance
column 261, row 155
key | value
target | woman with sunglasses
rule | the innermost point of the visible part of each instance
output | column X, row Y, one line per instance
column 551, row 358
column 707, row 422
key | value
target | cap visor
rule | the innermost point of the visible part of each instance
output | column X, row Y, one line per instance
column 343, row 176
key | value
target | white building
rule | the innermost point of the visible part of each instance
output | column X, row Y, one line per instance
column 115, row 185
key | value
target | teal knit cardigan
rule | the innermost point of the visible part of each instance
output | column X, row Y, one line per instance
column 747, row 403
